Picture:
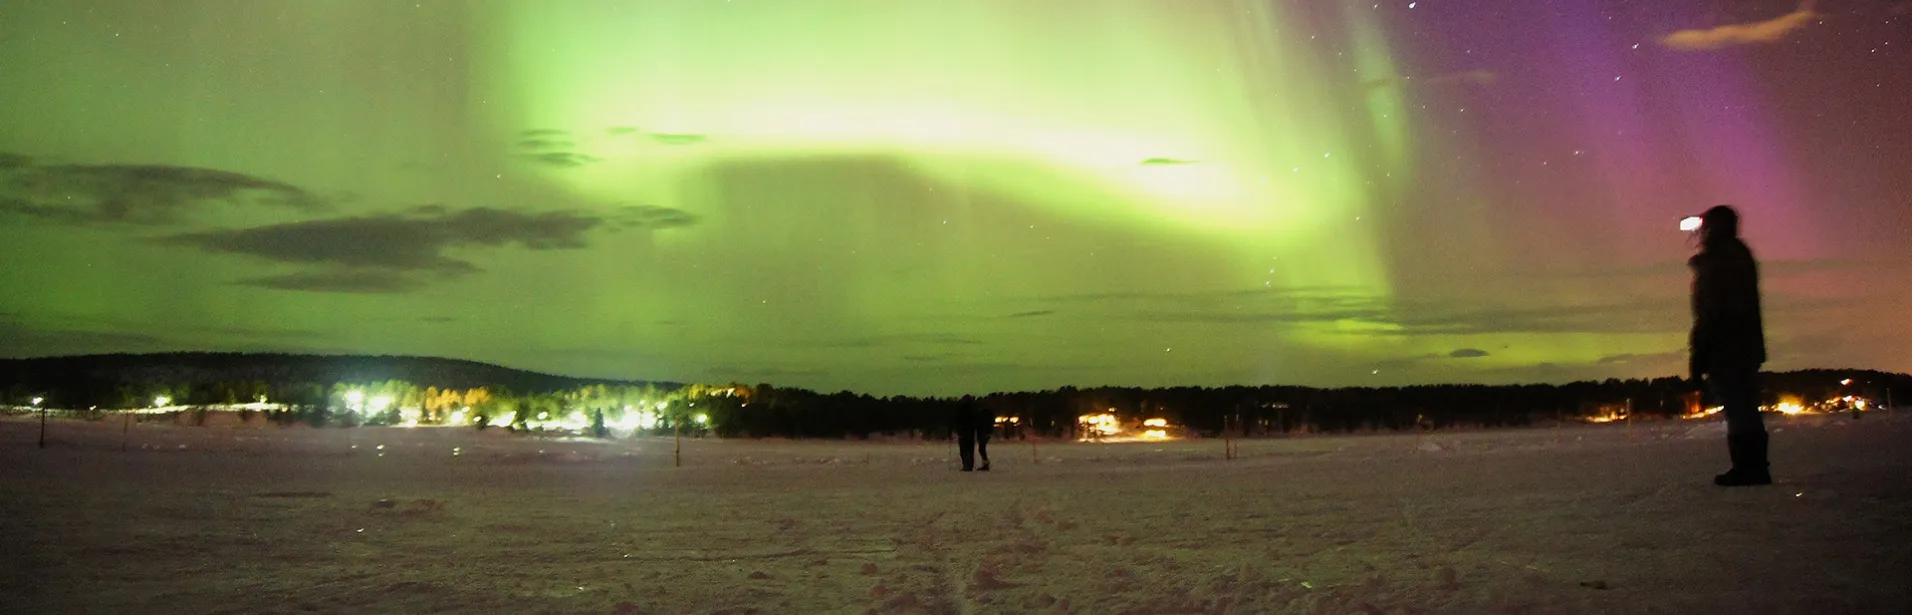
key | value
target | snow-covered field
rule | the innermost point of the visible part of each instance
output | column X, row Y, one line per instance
column 1595, row 519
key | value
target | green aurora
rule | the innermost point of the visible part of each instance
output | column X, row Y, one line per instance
column 893, row 197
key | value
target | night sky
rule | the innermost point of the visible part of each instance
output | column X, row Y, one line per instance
column 933, row 197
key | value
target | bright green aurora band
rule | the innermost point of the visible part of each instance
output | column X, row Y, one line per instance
column 1019, row 150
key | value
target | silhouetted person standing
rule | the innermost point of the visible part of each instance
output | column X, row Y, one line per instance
column 1728, row 342
column 971, row 436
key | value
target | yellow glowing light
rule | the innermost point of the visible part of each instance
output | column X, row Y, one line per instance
column 1100, row 424
column 1155, row 423
column 702, row 419
column 162, row 401
column 380, row 403
column 1155, row 434
column 1705, row 413
column 354, row 397
column 506, row 418
column 1846, row 382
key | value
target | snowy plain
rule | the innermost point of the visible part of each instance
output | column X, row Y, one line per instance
column 1570, row 519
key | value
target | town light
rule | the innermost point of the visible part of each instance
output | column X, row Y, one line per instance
column 37, row 400
column 162, row 401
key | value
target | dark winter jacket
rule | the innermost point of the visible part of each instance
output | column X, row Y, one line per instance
column 1727, row 331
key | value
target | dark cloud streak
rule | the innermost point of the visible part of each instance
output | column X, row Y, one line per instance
column 85, row 194
column 389, row 253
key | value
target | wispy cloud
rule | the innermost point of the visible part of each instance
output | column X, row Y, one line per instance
column 565, row 160
column 391, row 252
column 1768, row 31
column 652, row 217
column 85, row 194
column 353, row 280
column 663, row 138
column 544, row 144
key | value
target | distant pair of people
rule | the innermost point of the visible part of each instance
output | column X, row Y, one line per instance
column 973, row 425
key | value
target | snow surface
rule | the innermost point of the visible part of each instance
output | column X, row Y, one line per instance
column 1577, row 519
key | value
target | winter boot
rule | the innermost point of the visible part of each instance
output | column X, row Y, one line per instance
column 1749, row 461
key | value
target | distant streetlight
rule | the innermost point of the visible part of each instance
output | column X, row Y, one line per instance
column 37, row 400
column 1690, row 223
column 1845, row 383
column 162, row 401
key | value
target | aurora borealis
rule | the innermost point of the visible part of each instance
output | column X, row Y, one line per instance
column 948, row 197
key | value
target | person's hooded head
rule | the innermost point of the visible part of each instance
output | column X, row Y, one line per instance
column 1719, row 223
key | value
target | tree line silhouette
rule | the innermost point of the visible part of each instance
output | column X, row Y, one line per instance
column 347, row 391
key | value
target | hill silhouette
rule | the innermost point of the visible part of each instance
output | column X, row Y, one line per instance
column 111, row 370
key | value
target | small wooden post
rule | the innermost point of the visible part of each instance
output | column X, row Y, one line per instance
column 42, row 426
column 1228, row 436
column 126, row 431
column 677, row 456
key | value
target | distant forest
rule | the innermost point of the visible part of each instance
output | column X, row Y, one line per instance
column 333, row 390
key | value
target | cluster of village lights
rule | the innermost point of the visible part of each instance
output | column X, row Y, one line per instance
column 640, row 417
column 1104, row 426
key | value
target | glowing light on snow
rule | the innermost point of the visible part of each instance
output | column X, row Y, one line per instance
column 1704, row 413
column 1099, row 425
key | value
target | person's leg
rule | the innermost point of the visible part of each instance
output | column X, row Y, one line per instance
column 982, row 447
column 966, row 447
column 1738, row 392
